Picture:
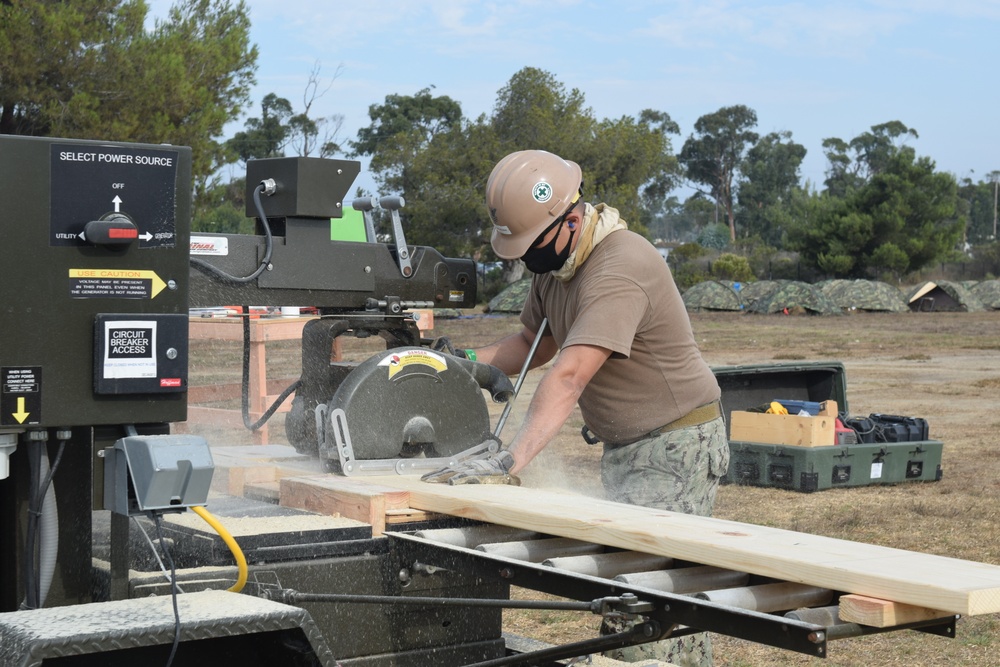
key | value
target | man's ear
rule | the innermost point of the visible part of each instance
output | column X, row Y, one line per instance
column 574, row 218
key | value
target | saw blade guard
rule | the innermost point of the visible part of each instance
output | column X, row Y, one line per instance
column 406, row 403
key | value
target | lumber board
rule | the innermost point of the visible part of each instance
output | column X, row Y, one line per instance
column 883, row 613
column 924, row 580
column 340, row 496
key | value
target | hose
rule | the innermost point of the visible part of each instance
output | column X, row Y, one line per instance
column 48, row 534
column 241, row 560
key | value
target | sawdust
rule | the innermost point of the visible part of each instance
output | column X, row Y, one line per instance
column 944, row 367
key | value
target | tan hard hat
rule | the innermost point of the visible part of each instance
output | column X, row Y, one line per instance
column 527, row 192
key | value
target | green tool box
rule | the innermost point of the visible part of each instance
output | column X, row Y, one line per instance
column 814, row 468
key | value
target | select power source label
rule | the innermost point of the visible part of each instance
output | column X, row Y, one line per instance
column 114, row 284
column 20, row 395
column 100, row 182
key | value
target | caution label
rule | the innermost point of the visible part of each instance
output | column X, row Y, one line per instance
column 114, row 284
column 20, row 395
column 421, row 360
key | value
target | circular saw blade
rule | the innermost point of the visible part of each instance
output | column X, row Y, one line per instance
column 407, row 400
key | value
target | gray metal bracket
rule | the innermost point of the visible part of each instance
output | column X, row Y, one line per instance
column 393, row 204
column 350, row 465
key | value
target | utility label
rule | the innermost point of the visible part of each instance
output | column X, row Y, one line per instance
column 114, row 284
column 20, row 395
column 113, row 183
column 129, row 349
column 414, row 361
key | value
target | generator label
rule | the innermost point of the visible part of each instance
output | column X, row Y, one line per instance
column 414, row 360
column 113, row 182
column 217, row 246
column 129, row 349
column 20, row 395
column 114, row 284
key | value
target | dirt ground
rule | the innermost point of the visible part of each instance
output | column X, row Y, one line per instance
column 944, row 367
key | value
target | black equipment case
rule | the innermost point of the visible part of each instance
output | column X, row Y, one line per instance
column 889, row 450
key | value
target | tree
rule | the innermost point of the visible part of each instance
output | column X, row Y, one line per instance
column 770, row 175
column 902, row 219
column 980, row 207
column 713, row 156
column 535, row 111
column 264, row 137
column 400, row 128
column 854, row 163
column 90, row 69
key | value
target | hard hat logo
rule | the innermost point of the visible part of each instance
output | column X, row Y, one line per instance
column 542, row 192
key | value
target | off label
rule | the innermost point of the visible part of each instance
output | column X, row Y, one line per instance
column 20, row 395
column 100, row 182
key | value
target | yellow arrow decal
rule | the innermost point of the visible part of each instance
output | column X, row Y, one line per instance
column 20, row 415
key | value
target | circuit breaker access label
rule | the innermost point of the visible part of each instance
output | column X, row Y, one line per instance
column 113, row 182
column 20, row 395
column 114, row 284
column 129, row 349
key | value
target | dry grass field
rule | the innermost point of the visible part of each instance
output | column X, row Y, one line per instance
column 944, row 367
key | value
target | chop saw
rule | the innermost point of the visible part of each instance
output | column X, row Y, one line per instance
column 405, row 410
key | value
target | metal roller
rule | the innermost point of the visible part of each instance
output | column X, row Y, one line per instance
column 609, row 565
column 473, row 536
column 536, row 551
column 770, row 597
column 687, row 579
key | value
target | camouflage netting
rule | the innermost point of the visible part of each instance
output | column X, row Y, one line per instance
column 943, row 296
column 795, row 297
column 757, row 290
column 988, row 292
column 511, row 299
column 869, row 295
column 712, row 295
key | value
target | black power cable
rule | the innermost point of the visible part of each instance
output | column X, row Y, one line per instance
column 245, row 385
column 173, row 585
column 208, row 269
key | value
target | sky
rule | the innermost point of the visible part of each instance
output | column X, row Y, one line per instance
column 815, row 68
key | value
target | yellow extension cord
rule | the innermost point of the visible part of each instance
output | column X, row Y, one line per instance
column 241, row 560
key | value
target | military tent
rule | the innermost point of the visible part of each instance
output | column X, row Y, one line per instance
column 942, row 296
column 712, row 295
column 754, row 291
column 511, row 299
column 796, row 297
column 988, row 292
column 870, row 295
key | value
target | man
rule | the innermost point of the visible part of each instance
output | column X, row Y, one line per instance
column 627, row 354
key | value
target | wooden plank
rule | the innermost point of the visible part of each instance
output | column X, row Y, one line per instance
column 818, row 431
column 883, row 613
column 924, row 580
column 340, row 496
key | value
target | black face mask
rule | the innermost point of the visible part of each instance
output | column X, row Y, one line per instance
column 546, row 258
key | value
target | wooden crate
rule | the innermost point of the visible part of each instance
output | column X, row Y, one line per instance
column 818, row 431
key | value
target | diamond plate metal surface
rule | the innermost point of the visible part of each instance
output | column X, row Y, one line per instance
column 29, row 637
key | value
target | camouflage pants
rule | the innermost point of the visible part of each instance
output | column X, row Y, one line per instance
column 677, row 471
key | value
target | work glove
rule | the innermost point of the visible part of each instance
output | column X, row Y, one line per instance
column 491, row 469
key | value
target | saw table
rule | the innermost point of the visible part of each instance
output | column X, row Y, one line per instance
column 679, row 573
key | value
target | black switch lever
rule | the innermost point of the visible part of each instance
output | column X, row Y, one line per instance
column 116, row 230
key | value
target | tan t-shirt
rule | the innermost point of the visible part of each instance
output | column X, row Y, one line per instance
column 624, row 299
